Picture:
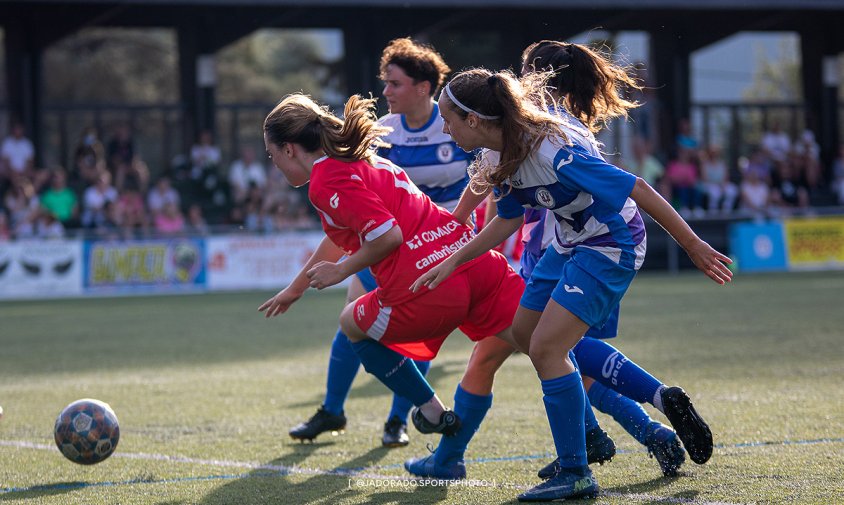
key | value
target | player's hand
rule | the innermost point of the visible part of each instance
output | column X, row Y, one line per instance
column 325, row 274
column 711, row 262
column 433, row 277
column 280, row 303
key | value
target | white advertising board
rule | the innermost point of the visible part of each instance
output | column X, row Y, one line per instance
column 258, row 261
column 40, row 269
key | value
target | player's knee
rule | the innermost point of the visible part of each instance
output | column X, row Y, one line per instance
column 349, row 325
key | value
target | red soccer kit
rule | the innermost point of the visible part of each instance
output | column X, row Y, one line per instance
column 359, row 202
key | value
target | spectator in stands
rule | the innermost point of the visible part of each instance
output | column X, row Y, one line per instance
column 776, row 143
column 5, row 230
column 204, row 155
column 682, row 175
column 755, row 191
column 170, row 220
column 685, row 138
column 838, row 175
column 720, row 192
column 790, row 192
column 257, row 217
column 160, row 195
column 98, row 204
column 121, row 148
column 21, row 202
column 88, row 160
column 759, row 163
column 643, row 163
column 196, row 224
column 17, row 156
column 60, row 201
column 245, row 172
column 805, row 156
column 131, row 211
column 47, row 226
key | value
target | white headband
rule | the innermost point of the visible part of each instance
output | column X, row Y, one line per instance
column 466, row 109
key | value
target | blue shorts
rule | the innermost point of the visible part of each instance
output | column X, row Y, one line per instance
column 367, row 279
column 587, row 283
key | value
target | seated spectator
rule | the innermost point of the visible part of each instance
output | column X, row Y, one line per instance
column 121, row 149
column 685, row 138
column 48, row 227
column 21, row 203
column 257, row 216
column 805, row 156
column 170, row 220
column 755, row 193
column 196, row 224
column 838, row 175
column 98, row 204
column 643, row 163
column 17, row 156
column 60, row 201
column 131, row 211
column 682, row 175
column 789, row 188
column 5, row 230
column 204, row 155
column 775, row 143
column 88, row 160
column 721, row 193
column 160, row 195
column 245, row 172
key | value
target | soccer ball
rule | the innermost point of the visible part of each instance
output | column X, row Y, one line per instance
column 87, row 431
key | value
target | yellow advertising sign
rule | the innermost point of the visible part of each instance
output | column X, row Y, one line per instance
column 815, row 243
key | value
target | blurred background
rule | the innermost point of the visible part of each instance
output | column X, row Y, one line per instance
column 132, row 153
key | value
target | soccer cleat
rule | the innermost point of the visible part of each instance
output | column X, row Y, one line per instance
column 599, row 449
column 395, row 433
column 690, row 427
column 663, row 444
column 562, row 486
column 427, row 467
column 321, row 422
column 448, row 425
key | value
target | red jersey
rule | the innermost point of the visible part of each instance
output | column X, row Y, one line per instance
column 359, row 202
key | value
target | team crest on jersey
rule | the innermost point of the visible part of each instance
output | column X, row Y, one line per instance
column 445, row 152
column 544, row 198
column 334, row 201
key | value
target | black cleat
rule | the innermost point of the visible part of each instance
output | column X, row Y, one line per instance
column 321, row 422
column 663, row 444
column 599, row 449
column 690, row 427
column 448, row 425
column 395, row 433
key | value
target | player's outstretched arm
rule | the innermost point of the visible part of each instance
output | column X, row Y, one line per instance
column 708, row 260
column 498, row 230
column 326, row 273
column 469, row 201
column 281, row 302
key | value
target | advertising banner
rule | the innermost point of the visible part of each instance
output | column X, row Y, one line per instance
column 258, row 261
column 815, row 244
column 758, row 247
column 40, row 269
column 144, row 266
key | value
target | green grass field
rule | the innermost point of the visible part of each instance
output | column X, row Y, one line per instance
column 205, row 389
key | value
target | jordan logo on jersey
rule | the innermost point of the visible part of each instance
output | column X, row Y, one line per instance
column 544, row 198
column 445, row 152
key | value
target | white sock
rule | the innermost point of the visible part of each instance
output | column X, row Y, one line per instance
column 657, row 401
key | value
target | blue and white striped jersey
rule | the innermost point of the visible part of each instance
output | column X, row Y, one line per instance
column 588, row 197
column 432, row 160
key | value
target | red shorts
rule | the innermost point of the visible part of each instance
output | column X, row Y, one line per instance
column 481, row 300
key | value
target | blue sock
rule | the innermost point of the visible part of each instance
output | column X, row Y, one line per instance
column 610, row 367
column 629, row 414
column 394, row 370
column 564, row 404
column 472, row 409
column 343, row 364
column 589, row 420
column 401, row 405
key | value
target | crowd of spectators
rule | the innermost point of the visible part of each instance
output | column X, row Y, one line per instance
column 782, row 176
column 109, row 192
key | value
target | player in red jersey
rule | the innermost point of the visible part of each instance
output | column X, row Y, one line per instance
column 373, row 213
